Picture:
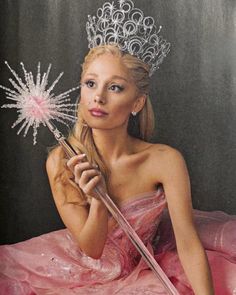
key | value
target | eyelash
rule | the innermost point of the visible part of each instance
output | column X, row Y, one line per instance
column 120, row 88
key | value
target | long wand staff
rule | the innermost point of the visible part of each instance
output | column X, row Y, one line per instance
column 36, row 106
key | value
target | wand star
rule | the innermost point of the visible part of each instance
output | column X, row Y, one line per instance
column 35, row 104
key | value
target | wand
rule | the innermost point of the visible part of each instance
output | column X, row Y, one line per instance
column 36, row 106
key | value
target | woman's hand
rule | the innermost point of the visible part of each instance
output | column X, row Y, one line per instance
column 86, row 175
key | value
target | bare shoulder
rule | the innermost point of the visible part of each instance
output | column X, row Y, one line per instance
column 165, row 152
column 159, row 154
column 164, row 158
column 55, row 154
column 55, row 160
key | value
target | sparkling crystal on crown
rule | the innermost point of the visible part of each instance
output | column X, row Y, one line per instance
column 128, row 28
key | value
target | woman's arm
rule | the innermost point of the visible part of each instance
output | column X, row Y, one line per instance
column 89, row 227
column 177, row 189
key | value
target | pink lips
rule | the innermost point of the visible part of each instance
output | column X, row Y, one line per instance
column 98, row 112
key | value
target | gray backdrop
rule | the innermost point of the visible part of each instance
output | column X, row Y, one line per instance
column 193, row 95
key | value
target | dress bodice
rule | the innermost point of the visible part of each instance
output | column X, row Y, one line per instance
column 143, row 212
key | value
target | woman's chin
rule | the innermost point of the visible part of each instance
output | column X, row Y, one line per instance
column 104, row 123
column 98, row 125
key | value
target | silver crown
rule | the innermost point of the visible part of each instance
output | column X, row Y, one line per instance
column 130, row 30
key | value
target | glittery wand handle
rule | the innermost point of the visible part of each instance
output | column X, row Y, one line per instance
column 68, row 149
column 119, row 217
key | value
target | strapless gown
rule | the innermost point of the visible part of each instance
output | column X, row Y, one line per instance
column 52, row 263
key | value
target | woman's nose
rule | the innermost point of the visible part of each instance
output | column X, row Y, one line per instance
column 99, row 99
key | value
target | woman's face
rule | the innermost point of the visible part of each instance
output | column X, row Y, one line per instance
column 108, row 94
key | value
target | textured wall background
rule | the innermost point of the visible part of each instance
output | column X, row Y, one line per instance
column 193, row 94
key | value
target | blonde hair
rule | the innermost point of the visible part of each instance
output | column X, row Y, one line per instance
column 139, row 126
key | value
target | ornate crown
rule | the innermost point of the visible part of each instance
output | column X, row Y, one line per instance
column 130, row 30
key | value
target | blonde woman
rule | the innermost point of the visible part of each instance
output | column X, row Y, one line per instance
column 92, row 255
column 114, row 92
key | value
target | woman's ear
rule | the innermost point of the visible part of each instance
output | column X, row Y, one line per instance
column 139, row 103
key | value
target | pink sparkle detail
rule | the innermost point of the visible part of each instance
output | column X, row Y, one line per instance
column 35, row 104
column 37, row 108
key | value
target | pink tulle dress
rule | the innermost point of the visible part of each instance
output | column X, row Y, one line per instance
column 53, row 264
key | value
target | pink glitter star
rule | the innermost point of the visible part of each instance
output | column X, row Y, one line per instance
column 36, row 105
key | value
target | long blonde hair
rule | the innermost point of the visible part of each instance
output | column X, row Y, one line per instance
column 140, row 126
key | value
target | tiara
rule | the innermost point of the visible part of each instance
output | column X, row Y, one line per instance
column 130, row 30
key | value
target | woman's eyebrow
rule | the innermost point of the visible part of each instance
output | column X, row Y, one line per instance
column 112, row 77
column 119, row 77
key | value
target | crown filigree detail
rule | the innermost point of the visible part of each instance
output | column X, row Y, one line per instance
column 128, row 28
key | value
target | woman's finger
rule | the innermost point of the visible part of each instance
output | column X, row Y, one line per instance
column 80, row 167
column 86, row 176
column 88, row 189
column 75, row 160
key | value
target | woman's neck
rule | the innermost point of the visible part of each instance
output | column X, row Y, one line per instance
column 113, row 144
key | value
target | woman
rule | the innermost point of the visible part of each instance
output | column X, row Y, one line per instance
column 92, row 255
column 114, row 86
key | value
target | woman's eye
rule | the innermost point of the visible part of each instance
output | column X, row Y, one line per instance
column 90, row 83
column 116, row 88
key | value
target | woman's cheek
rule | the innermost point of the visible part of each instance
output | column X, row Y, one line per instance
column 123, row 109
column 85, row 101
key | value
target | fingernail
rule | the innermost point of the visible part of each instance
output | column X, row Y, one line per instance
column 82, row 155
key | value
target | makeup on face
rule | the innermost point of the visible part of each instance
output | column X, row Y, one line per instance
column 107, row 93
column 92, row 84
column 98, row 112
column 114, row 84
